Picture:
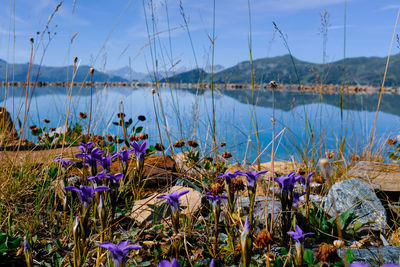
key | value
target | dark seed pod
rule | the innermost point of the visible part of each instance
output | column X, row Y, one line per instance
column 193, row 143
column 159, row 147
column 179, row 143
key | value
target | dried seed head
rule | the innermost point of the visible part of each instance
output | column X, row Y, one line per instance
column 35, row 130
column 121, row 115
column 91, row 71
column 143, row 136
column 153, row 91
column 133, row 138
column 99, row 138
column 31, row 40
column 46, row 121
column 330, row 154
column 141, row 118
column 273, row 84
column 179, row 143
column 210, row 159
column 217, row 188
column 236, row 185
column 14, row 133
column 326, row 253
column 159, row 147
column 354, row 158
column 391, row 141
column 75, row 59
column 264, row 238
column 227, row 155
column 193, row 143
column 83, row 115
column 32, row 126
column 52, row 129
column 223, row 144
column 109, row 138
column 119, row 140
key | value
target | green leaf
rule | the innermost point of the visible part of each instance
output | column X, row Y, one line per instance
column 145, row 263
column 139, row 129
column 308, row 257
column 349, row 256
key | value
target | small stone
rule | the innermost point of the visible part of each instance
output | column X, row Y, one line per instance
column 355, row 195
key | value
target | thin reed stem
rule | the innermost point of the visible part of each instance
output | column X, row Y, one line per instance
column 382, row 86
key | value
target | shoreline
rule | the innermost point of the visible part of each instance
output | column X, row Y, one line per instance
column 312, row 88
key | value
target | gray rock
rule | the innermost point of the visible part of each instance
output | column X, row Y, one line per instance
column 259, row 208
column 354, row 194
column 374, row 256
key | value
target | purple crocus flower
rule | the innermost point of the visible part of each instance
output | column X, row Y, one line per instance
column 98, row 178
column 212, row 263
column 173, row 263
column 298, row 235
column 286, row 183
column 139, row 149
column 252, row 177
column 390, row 265
column 124, row 155
column 306, row 181
column 215, row 199
column 229, row 176
column 119, row 252
column 296, row 198
column 84, row 148
column 358, row 264
column 86, row 193
column 173, row 199
column 64, row 162
column 90, row 156
column 105, row 162
column 114, row 178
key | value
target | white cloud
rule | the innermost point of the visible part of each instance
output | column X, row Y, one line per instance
column 297, row 4
column 387, row 7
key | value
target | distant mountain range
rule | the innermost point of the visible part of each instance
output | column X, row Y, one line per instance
column 129, row 74
column 52, row 74
column 359, row 71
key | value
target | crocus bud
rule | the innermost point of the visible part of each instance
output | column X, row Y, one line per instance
column 325, row 168
column 28, row 253
column 76, row 229
column 338, row 243
column 102, row 212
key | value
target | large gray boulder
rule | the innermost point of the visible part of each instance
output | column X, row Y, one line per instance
column 355, row 195
column 373, row 255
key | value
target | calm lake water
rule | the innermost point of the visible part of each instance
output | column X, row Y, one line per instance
column 189, row 114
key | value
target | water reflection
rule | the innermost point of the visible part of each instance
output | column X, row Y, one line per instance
column 302, row 119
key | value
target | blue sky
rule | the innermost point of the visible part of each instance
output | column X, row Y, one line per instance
column 111, row 32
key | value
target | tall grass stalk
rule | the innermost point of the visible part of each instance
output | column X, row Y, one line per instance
column 253, row 111
column 212, row 87
column 382, row 86
column 75, row 69
column 27, row 86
